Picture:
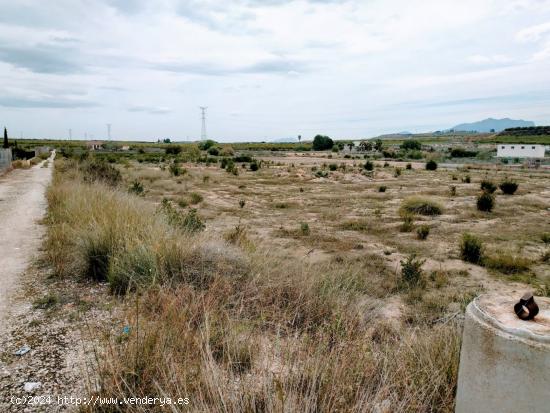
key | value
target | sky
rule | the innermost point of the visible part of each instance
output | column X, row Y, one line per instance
column 269, row 69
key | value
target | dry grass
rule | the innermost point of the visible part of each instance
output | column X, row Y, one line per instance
column 259, row 313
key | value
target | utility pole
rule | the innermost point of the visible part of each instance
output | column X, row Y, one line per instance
column 203, row 114
column 109, row 131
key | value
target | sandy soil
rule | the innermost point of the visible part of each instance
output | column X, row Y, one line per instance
column 22, row 205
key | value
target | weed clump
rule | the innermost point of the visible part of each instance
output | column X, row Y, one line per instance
column 137, row 188
column 382, row 188
column 422, row 232
column 471, row 249
column 488, row 186
column 485, row 202
column 369, row 166
column 411, row 271
column 508, row 187
column 408, row 223
column 420, row 206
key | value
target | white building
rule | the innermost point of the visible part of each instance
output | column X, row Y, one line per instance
column 520, row 150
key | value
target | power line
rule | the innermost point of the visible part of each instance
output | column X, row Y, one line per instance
column 203, row 114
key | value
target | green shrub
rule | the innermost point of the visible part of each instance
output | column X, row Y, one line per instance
column 452, row 190
column 488, row 186
column 242, row 158
column 397, row 172
column 207, row 144
column 175, row 169
column 369, row 166
column 99, row 170
column 137, row 188
column 508, row 187
column 411, row 271
column 214, row 151
column 466, row 179
column 422, row 232
column 545, row 237
column 431, row 165
column 254, row 166
column 382, row 188
column 409, row 166
column 333, row 167
column 485, row 202
column 304, row 228
column 420, row 206
column 411, row 145
column 189, row 222
column 471, row 248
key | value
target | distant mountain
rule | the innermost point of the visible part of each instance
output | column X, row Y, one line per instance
column 493, row 125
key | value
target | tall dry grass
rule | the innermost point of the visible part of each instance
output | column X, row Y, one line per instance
column 242, row 330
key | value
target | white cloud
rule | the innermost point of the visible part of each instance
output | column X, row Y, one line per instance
column 342, row 67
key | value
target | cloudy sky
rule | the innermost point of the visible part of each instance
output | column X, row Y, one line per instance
column 269, row 69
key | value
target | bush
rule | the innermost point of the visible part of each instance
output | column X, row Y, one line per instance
column 508, row 187
column 176, row 170
column 97, row 170
column 545, row 237
column 409, row 166
column 422, row 232
column 420, row 206
column 190, row 222
column 411, row 145
column 381, row 188
column 333, row 167
column 213, row 151
column 242, row 158
column 137, row 188
column 321, row 143
column 173, row 150
column 485, row 202
column 304, row 228
column 369, row 166
column 254, row 166
column 466, row 179
column 462, row 153
column 397, row 172
column 452, row 190
column 471, row 249
column 431, row 165
column 411, row 271
column 488, row 186
column 207, row 144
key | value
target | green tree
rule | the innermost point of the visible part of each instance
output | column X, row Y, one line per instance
column 6, row 144
column 378, row 145
column 411, row 145
column 321, row 143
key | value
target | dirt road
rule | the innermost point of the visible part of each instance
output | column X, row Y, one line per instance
column 22, row 205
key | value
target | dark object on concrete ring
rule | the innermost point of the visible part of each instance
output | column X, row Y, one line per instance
column 526, row 308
